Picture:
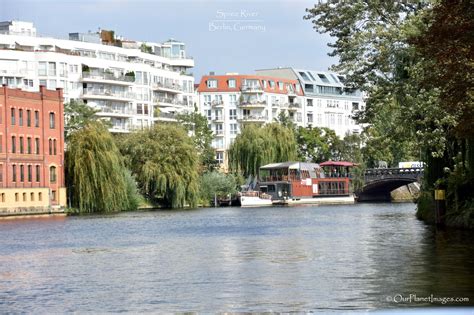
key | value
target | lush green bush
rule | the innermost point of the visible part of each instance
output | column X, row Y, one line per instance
column 215, row 184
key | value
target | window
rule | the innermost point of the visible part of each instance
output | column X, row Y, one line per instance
column 220, row 157
column 13, row 173
column 272, row 84
column 309, row 73
column 355, row 106
column 24, row 196
column 13, row 116
column 21, row 145
column 22, row 173
column 17, row 198
column 13, row 144
column 52, row 122
column 280, row 86
column 304, row 76
column 37, row 145
column 51, row 68
column 40, row 196
column 30, row 173
column 233, row 99
column 53, row 195
column 209, row 114
column 52, row 174
column 323, row 78
column 232, row 114
column 37, row 118
column 212, row 84
column 42, row 68
column 54, row 147
column 309, row 102
column 233, row 129
column 20, row 117
column 310, row 117
column 28, row 118
column 265, row 84
column 37, row 173
column 32, row 196
column 219, row 129
column 50, row 146
column 28, row 145
column 207, row 99
column 3, row 197
column 232, row 83
column 42, row 82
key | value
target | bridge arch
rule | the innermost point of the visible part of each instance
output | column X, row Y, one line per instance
column 379, row 183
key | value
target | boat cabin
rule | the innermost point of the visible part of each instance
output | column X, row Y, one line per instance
column 301, row 180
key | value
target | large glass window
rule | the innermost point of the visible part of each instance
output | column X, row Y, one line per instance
column 42, row 68
column 52, row 120
column 52, row 174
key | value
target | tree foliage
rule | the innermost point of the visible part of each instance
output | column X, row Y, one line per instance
column 216, row 184
column 317, row 144
column 196, row 124
column 256, row 146
column 97, row 178
column 77, row 116
column 165, row 163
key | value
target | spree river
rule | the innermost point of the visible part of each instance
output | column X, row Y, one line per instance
column 305, row 258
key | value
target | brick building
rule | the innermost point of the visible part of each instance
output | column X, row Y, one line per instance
column 31, row 150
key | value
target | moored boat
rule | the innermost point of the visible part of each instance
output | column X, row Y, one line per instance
column 307, row 183
column 255, row 199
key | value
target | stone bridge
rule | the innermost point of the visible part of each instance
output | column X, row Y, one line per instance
column 379, row 182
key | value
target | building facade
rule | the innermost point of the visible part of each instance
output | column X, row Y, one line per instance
column 308, row 98
column 328, row 103
column 133, row 84
column 31, row 150
column 231, row 101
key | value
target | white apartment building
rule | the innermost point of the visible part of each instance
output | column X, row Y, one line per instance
column 132, row 84
column 327, row 102
column 231, row 101
column 308, row 98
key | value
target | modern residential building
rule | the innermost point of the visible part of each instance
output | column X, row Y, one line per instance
column 309, row 98
column 133, row 84
column 31, row 150
column 231, row 101
column 328, row 103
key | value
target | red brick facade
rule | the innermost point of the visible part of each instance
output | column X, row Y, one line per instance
column 32, row 147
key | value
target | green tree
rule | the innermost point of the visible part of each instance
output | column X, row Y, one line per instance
column 77, row 115
column 317, row 144
column 96, row 176
column 196, row 124
column 216, row 184
column 165, row 163
column 256, row 146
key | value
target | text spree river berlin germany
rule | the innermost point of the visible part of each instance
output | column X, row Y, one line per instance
column 237, row 21
column 280, row 259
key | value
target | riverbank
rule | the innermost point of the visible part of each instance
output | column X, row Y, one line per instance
column 33, row 212
column 461, row 218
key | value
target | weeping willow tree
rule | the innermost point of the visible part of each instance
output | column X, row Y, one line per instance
column 257, row 146
column 165, row 163
column 96, row 175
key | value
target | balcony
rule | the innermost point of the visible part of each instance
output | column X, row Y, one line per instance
column 294, row 106
column 253, row 104
column 107, row 78
column 170, row 88
column 106, row 94
column 217, row 104
column 251, row 89
column 218, row 118
column 219, row 133
column 168, row 101
column 114, row 112
column 253, row 119
column 14, row 72
column 161, row 116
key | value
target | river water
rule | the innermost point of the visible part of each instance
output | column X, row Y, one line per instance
column 305, row 258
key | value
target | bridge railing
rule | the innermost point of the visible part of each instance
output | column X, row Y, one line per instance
column 381, row 173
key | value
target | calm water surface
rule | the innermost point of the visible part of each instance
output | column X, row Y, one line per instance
column 355, row 257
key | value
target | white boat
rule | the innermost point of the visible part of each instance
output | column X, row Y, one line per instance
column 255, row 199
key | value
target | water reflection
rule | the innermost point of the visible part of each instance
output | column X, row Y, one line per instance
column 232, row 259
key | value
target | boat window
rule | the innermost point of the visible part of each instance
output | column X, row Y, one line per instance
column 271, row 188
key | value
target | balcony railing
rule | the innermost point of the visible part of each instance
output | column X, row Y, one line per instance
column 124, row 111
column 159, row 85
column 217, row 103
column 162, row 115
column 251, row 88
column 168, row 100
column 254, row 118
column 108, row 77
column 106, row 92
column 253, row 103
column 294, row 105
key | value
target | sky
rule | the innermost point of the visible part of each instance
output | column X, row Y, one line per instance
column 222, row 36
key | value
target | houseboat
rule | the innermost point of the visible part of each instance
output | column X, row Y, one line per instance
column 306, row 183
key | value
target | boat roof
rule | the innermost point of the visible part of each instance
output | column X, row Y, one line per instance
column 337, row 163
column 291, row 165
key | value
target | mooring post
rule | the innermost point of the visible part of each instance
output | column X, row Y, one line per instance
column 440, row 206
